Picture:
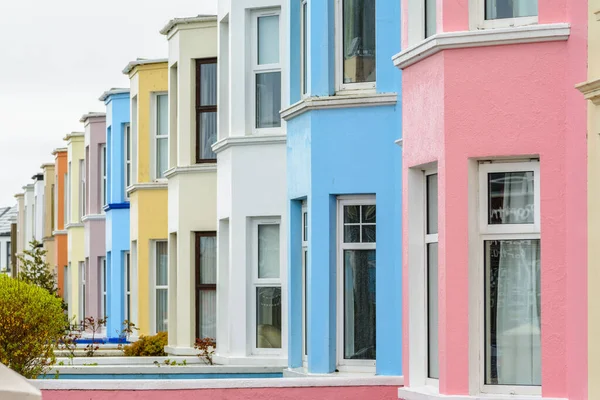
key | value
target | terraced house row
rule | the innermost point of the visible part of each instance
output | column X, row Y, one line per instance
column 393, row 188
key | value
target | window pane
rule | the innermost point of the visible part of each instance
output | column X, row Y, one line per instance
column 430, row 17
column 359, row 304
column 432, row 311
column 268, row 40
column 268, row 317
column 268, row 100
column 304, row 47
column 432, row 204
column 305, row 299
column 207, row 314
column 268, row 251
column 498, row 9
column 162, row 273
column 351, row 214
column 207, row 134
column 162, row 148
column 352, row 234
column 368, row 234
column 512, row 312
column 511, row 198
column 208, row 84
column 163, row 119
column 161, row 310
column 368, row 214
column 305, row 226
column 208, row 260
column 359, row 41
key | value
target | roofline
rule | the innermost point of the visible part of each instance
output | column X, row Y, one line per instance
column 19, row 195
column 112, row 92
column 92, row 114
column 140, row 61
column 71, row 135
column 59, row 150
column 187, row 20
column 47, row 165
column 28, row 186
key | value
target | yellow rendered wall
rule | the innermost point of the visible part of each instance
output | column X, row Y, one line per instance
column 593, row 210
column 76, row 252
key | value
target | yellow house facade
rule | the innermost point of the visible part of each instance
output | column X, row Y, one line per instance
column 48, row 217
column 74, row 226
column 591, row 91
column 148, row 195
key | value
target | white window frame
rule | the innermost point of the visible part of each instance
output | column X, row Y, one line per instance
column 82, row 189
column 257, row 69
column 346, row 365
column 478, row 21
column 304, row 296
column 127, row 158
column 127, row 282
column 82, row 268
column 155, row 287
column 346, row 88
column 103, row 282
column 500, row 232
column 66, row 194
column 103, row 173
column 304, row 29
column 257, row 282
column 156, row 136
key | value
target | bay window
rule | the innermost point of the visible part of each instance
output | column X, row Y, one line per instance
column 304, row 283
column 304, row 47
column 267, row 285
column 504, row 13
column 431, row 261
column 161, row 138
column 161, row 286
column 82, row 188
column 510, row 240
column 356, row 281
column 206, row 109
column 127, row 135
column 430, row 18
column 103, row 285
column 266, row 65
column 127, row 286
column 206, row 285
column 82, row 290
column 103, row 167
column 355, row 39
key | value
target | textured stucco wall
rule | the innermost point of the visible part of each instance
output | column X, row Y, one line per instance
column 60, row 237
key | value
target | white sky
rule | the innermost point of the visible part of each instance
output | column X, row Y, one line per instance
column 56, row 59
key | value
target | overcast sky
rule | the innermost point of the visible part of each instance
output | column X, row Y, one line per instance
column 56, row 59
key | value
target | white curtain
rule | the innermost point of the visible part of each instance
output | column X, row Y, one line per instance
column 496, row 9
column 268, row 251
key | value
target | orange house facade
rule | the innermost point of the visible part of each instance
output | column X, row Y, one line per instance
column 60, row 233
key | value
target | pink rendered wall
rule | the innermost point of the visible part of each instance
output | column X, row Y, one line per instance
column 501, row 101
column 311, row 393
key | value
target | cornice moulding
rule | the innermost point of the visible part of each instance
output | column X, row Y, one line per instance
column 481, row 38
column 590, row 90
column 74, row 225
column 147, row 186
column 59, row 232
column 93, row 217
column 338, row 101
column 191, row 169
column 250, row 140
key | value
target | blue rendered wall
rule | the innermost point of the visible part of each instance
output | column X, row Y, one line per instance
column 335, row 152
column 117, row 211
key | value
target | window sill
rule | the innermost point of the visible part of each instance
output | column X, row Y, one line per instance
column 591, row 90
column 339, row 101
column 432, row 393
column 93, row 217
column 248, row 140
column 350, row 378
column 191, row 169
column 481, row 38
column 59, row 232
column 147, row 186
column 74, row 225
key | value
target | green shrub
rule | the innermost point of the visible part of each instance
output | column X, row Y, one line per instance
column 31, row 323
column 148, row 346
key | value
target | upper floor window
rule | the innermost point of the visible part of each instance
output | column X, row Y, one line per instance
column 355, row 28
column 127, row 135
column 505, row 13
column 82, row 186
column 103, row 169
column 304, row 47
column 206, row 109
column 430, row 27
column 266, row 65
column 161, row 145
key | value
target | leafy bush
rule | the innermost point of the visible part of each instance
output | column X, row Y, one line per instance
column 148, row 346
column 206, row 346
column 31, row 323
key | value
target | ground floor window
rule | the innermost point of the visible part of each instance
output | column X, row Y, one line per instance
column 510, row 243
column 206, row 285
column 127, row 285
column 103, row 285
column 431, row 261
column 356, row 280
column 161, row 286
column 304, row 281
column 266, row 282
column 82, row 290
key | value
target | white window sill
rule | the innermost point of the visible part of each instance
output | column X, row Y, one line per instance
column 481, row 38
column 191, row 169
column 432, row 393
column 147, row 186
column 591, row 91
column 248, row 140
column 353, row 378
column 354, row 99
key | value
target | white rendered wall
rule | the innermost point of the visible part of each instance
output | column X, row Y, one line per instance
column 29, row 205
column 38, row 193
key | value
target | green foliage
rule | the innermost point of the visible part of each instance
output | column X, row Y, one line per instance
column 35, row 270
column 206, row 347
column 31, row 323
column 148, row 346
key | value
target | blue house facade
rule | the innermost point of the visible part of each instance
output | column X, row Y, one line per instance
column 118, row 177
column 344, row 187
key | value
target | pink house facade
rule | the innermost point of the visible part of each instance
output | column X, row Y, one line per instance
column 494, row 199
column 93, row 191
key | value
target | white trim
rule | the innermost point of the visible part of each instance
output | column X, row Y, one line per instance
column 477, row 18
column 428, row 239
column 127, row 281
column 233, row 141
column 191, row 169
column 153, row 286
column 74, row 225
column 103, row 281
column 339, row 101
column 591, row 89
column 154, row 114
column 61, row 232
column 93, row 217
column 340, row 86
column 466, row 39
column 103, row 176
column 342, row 363
column 305, row 246
column 151, row 384
column 147, row 186
column 128, row 164
column 304, row 42
column 429, row 393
